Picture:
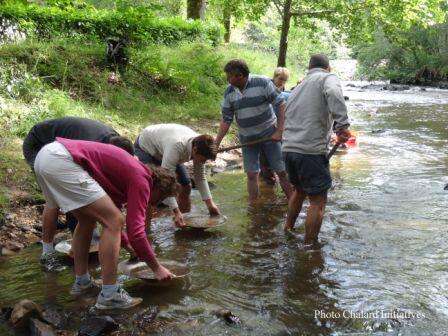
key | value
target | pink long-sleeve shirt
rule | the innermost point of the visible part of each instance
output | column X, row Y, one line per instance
column 125, row 180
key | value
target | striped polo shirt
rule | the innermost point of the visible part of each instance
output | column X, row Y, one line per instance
column 252, row 108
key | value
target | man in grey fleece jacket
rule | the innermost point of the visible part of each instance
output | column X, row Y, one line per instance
column 314, row 109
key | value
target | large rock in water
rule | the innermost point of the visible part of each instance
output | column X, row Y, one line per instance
column 39, row 328
column 97, row 325
column 23, row 312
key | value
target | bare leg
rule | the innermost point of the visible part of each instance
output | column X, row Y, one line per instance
column 284, row 183
column 294, row 208
column 183, row 199
column 49, row 217
column 252, row 186
column 105, row 212
column 314, row 217
column 81, row 243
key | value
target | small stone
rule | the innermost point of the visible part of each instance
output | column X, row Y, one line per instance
column 227, row 316
column 14, row 246
column 5, row 252
column 39, row 328
column 54, row 318
column 6, row 313
column 144, row 321
column 23, row 312
column 97, row 325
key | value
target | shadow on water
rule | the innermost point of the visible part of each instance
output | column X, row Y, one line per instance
column 383, row 244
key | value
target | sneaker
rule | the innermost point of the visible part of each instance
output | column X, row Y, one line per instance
column 120, row 300
column 50, row 262
column 78, row 289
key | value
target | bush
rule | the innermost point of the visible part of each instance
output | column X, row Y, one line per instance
column 133, row 24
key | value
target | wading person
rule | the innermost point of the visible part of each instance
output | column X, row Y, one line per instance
column 280, row 78
column 171, row 145
column 315, row 108
column 46, row 132
column 93, row 181
column 249, row 99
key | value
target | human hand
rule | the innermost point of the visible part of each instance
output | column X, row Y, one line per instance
column 343, row 135
column 277, row 136
column 163, row 274
column 212, row 208
column 179, row 219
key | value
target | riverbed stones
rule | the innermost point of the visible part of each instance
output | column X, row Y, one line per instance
column 23, row 312
column 97, row 325
column 227, row 316
column 39, row 328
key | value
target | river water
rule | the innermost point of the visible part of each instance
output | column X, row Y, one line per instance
column 381, row 269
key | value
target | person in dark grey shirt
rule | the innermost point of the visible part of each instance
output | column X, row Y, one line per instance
column 74, row 128
column 70, row 128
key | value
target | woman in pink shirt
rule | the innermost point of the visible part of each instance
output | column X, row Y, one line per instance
column 94, row 181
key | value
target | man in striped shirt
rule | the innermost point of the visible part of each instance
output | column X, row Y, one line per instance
column 249, row 99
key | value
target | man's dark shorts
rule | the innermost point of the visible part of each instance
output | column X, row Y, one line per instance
column 182, row 174
column 308, row 172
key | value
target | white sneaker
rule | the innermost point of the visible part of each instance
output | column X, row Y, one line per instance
column 78, row 289
column 119, row 300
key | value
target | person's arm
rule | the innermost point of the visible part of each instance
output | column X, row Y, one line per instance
column 202, row 185
column 337, row 107
column 275, row 98
column 228, row 114
column 170, row 160
column 137, row 201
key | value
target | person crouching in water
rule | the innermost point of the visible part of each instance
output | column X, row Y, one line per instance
column 170, row 146
column 314, row 108
column 93, row 181
column 46, row 132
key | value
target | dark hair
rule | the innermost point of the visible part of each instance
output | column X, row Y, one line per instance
column 237, row 67
column 164, row 180
column 319, row 61
column 123, row 143
column 205, row 146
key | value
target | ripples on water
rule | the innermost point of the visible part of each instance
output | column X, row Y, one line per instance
column 383, row 242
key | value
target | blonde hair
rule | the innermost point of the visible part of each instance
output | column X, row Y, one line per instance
column 280, row 71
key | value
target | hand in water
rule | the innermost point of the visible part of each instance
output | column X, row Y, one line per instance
column 179, row 220
column 212, row 208
column 163, row 273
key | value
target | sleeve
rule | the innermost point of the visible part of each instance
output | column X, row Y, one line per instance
column 137, row 202
column 271, row 92
column 336, row 102
column 227, row 110
column 170, row 159
column 201, row 181
column 278, row 101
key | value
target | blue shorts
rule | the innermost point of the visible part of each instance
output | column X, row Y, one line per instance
column 273, row 152
column 308, row 172
column 181, row 171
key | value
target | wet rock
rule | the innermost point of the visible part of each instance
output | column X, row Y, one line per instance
column 422, row 89
column 97, row 325
column 443, row 86
column 14, row 246
column 446, row 187
column 351, row 85
column 144, row 321
column 23, row 312
column 5, row 313
column 39, row 328
column 395, row 87
column 227, row 316
column 54, row 318
column 377, row 131
column 65, row 333
column 372, row 87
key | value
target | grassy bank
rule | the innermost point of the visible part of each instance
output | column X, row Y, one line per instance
column 41, row 80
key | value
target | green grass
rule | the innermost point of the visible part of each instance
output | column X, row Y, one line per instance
column 50, row 79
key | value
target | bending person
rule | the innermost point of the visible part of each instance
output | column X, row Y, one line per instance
column 46, row 132
column 93, row 181
column 171, row 145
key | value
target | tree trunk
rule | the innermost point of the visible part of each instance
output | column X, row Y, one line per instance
column 226, row 20
column 196, row 9
column 286, row 22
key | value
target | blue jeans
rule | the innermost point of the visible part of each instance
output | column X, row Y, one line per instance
column 273, row 151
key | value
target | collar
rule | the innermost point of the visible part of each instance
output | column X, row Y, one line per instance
column 316, row 70
column 249, row 78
